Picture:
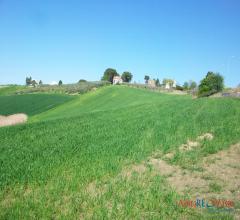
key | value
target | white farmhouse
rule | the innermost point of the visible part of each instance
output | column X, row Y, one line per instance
column 167, row 86
column 117, row 80
column 174, row 84
column 152, row 83
column 170, row 84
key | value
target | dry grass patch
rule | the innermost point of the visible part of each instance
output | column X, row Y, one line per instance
column 206, row 136
column 220, row 178
column 136, row 168
column 226, row 170
column 221, row 169
column 13, row 119
column 196, row 143
column 180, row 179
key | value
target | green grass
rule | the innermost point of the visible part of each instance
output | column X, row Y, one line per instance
column 47, row 164
column 111, row 99
column 215, row 187
column 30, row 104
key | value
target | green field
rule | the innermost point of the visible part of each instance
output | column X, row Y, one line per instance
column 65, row 162
column 30, row 104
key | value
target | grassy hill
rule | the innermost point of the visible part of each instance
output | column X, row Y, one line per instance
column 110, row 99
column 66, row 162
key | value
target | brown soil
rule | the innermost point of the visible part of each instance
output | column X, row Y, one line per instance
column 139, row 169
column 226, row 169
column 220, row 178
column 222, row 168
column 180, row 179
column 13, row 119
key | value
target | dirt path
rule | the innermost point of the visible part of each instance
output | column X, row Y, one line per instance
column 13, row 119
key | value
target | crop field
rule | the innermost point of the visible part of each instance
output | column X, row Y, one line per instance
column 107, row 154
column 31, row 104
column 74, row 88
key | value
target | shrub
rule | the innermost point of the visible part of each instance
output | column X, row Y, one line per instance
column 82, row 81
column 179, row 88
column 212, row 83
column 185, row 86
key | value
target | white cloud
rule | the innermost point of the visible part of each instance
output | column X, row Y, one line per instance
column 53, row 83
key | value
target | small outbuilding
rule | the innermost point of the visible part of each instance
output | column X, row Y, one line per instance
column 117, row 80
column 152, row 83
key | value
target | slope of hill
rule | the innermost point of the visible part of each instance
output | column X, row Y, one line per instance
column 81, row 159
column 110, row 99
column 10, row 89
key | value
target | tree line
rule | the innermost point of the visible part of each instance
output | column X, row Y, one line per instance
column 210, row 84
column 30, row 81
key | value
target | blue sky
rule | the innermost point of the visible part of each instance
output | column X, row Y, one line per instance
column 71, row 40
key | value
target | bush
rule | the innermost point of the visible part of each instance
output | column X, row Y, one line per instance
column 185, row 86
column 82, row 81
column 180, row 88
column 211, row 84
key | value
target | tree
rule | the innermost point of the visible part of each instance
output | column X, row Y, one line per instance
column 185, row 86
column 178, row 87
column 82, row 81
column 157, row 82
column 40, row 82
column 28, row 81
column 212, row 83
column 146, row 78
column 109, row 74
column 60, row 82
column 169, row 81
column 34, row 83
column 126, row 76
column 192, row 85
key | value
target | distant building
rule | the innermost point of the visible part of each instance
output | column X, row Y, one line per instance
column 152, row 83
column 174, row 84
column 117, row 80
column 170, row 84
column 167, row 86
